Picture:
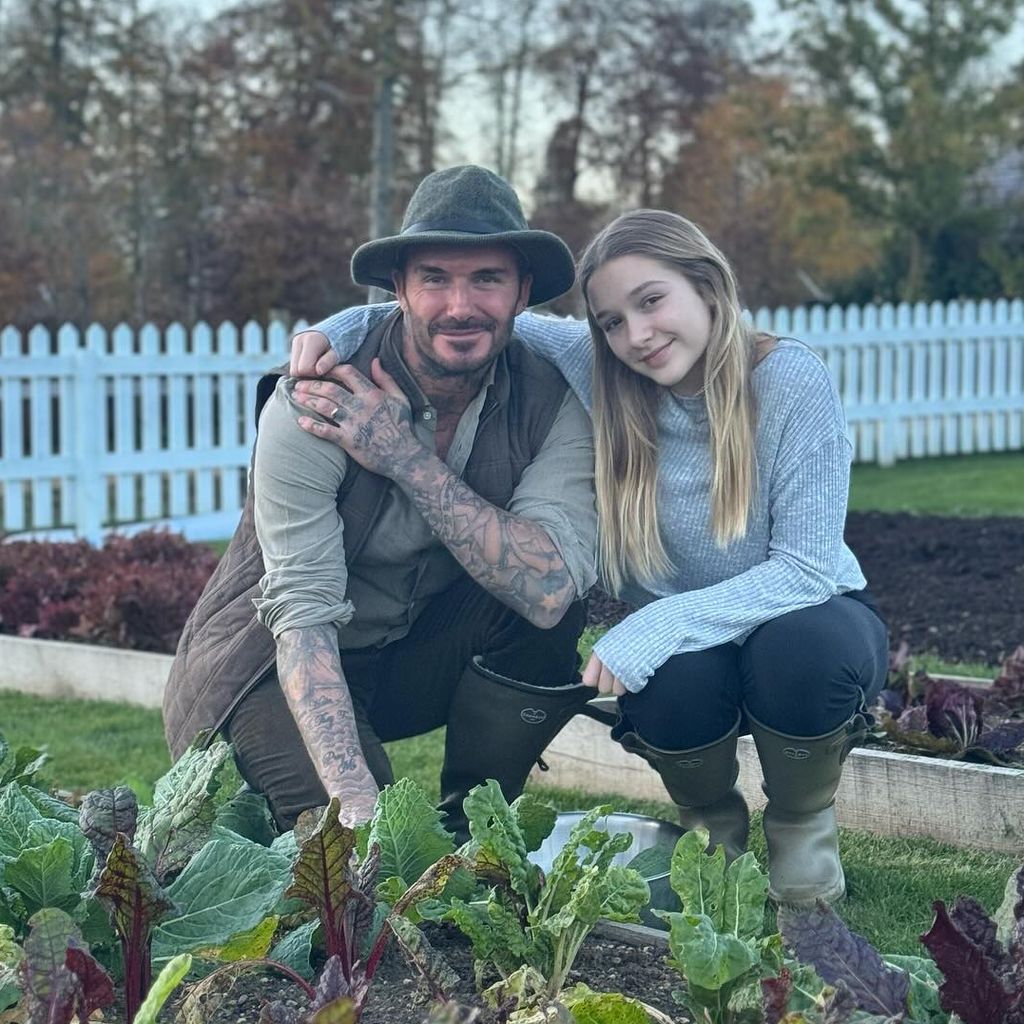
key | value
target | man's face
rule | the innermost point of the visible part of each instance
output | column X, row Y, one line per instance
column 459, row 304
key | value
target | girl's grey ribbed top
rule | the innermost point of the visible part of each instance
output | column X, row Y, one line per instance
column 792, row 556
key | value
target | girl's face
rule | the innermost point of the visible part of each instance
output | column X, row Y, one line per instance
column 654, row 320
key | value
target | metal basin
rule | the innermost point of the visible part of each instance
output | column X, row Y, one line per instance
column 647, row 833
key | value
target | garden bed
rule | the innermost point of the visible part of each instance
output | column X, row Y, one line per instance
column 606, row 963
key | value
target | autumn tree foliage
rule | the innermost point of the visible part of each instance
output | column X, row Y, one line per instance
column 157, row 165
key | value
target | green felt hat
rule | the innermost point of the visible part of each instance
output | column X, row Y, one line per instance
column 464, row 206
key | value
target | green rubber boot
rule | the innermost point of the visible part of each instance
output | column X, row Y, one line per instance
column 702, row 784
column 801, row 776
column 497, row 729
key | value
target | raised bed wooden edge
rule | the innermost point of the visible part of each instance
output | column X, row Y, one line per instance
column 884, row 792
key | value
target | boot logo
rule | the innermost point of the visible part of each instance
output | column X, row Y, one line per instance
column 693, row 762
column 533, row 716
column 797, row 753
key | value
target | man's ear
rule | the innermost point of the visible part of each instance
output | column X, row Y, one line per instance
column 398, row 280
column 525, row 284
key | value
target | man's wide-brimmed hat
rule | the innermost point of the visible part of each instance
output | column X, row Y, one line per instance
column 466, row 206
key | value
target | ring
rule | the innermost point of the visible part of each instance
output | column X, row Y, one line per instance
column 334, row 415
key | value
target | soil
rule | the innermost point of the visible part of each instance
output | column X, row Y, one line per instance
column 396, row 996
column 952, row 587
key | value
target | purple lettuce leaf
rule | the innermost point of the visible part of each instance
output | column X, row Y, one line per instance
column 914, row 719
column 97, row 986
column 1008, row 688
column 840, row 1006
column 972, row 989
column 105, row 813
column 820, row 938
column 1001, row 739
column 775, row 993
column 972, row 921
column 333, row 985
column 954, row 711
column 60, row 978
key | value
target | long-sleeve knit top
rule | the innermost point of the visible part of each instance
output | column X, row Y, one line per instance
column 792, row 556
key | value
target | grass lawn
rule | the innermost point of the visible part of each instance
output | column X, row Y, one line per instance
column 965, row 485
column 892, row 883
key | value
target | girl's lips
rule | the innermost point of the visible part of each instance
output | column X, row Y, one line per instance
column 658, row 356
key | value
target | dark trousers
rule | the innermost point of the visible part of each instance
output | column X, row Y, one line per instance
column 802, row 674
column 401, row 690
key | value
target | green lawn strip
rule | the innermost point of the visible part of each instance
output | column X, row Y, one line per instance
column 91, row 743
column 960, row 485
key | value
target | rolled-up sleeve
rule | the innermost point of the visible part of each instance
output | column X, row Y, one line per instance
column 556, row 490
column 295, row 480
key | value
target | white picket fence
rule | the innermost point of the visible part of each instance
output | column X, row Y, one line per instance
column 150, row 427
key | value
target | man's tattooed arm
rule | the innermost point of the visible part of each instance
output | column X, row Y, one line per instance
column 309, row 668
column 511, row 557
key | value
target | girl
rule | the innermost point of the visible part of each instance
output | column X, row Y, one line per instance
column 722, row 474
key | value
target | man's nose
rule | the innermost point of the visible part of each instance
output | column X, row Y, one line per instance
column 460, row 301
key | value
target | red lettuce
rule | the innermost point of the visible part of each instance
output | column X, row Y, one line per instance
column 946, row 718
column 984, row 977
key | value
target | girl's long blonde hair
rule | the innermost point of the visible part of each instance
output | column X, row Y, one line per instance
column 626, row 404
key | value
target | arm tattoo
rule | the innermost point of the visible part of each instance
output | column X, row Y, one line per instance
column 512, row 558
column 309, row 668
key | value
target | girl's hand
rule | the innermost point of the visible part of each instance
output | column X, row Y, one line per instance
column 596, row 674
column 312, row 355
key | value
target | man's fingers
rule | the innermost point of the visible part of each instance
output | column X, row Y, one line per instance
column 352, row 379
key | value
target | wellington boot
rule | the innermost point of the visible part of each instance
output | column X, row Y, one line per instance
column 801, row 776
column 497, row 729
column 702, row 783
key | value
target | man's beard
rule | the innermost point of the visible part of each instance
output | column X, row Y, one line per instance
column 429, row 363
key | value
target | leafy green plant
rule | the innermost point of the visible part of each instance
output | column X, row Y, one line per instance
column 530, row 928
column 171, row 879
column 717, row 940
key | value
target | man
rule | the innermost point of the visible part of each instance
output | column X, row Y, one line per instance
column 419, row 534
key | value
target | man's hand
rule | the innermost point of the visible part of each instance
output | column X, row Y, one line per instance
column 312, row 355
column 373, row 419
column 598, row 675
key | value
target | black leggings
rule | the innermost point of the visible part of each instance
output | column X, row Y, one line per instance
column 802, row 674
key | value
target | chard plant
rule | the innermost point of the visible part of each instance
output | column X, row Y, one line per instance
column 61, row 982
column 529, row 927
column 717, row 940
column 947, row 719
column 329, row 878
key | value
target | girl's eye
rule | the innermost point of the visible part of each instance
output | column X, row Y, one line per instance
column 610, row 325
column 650, row 300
